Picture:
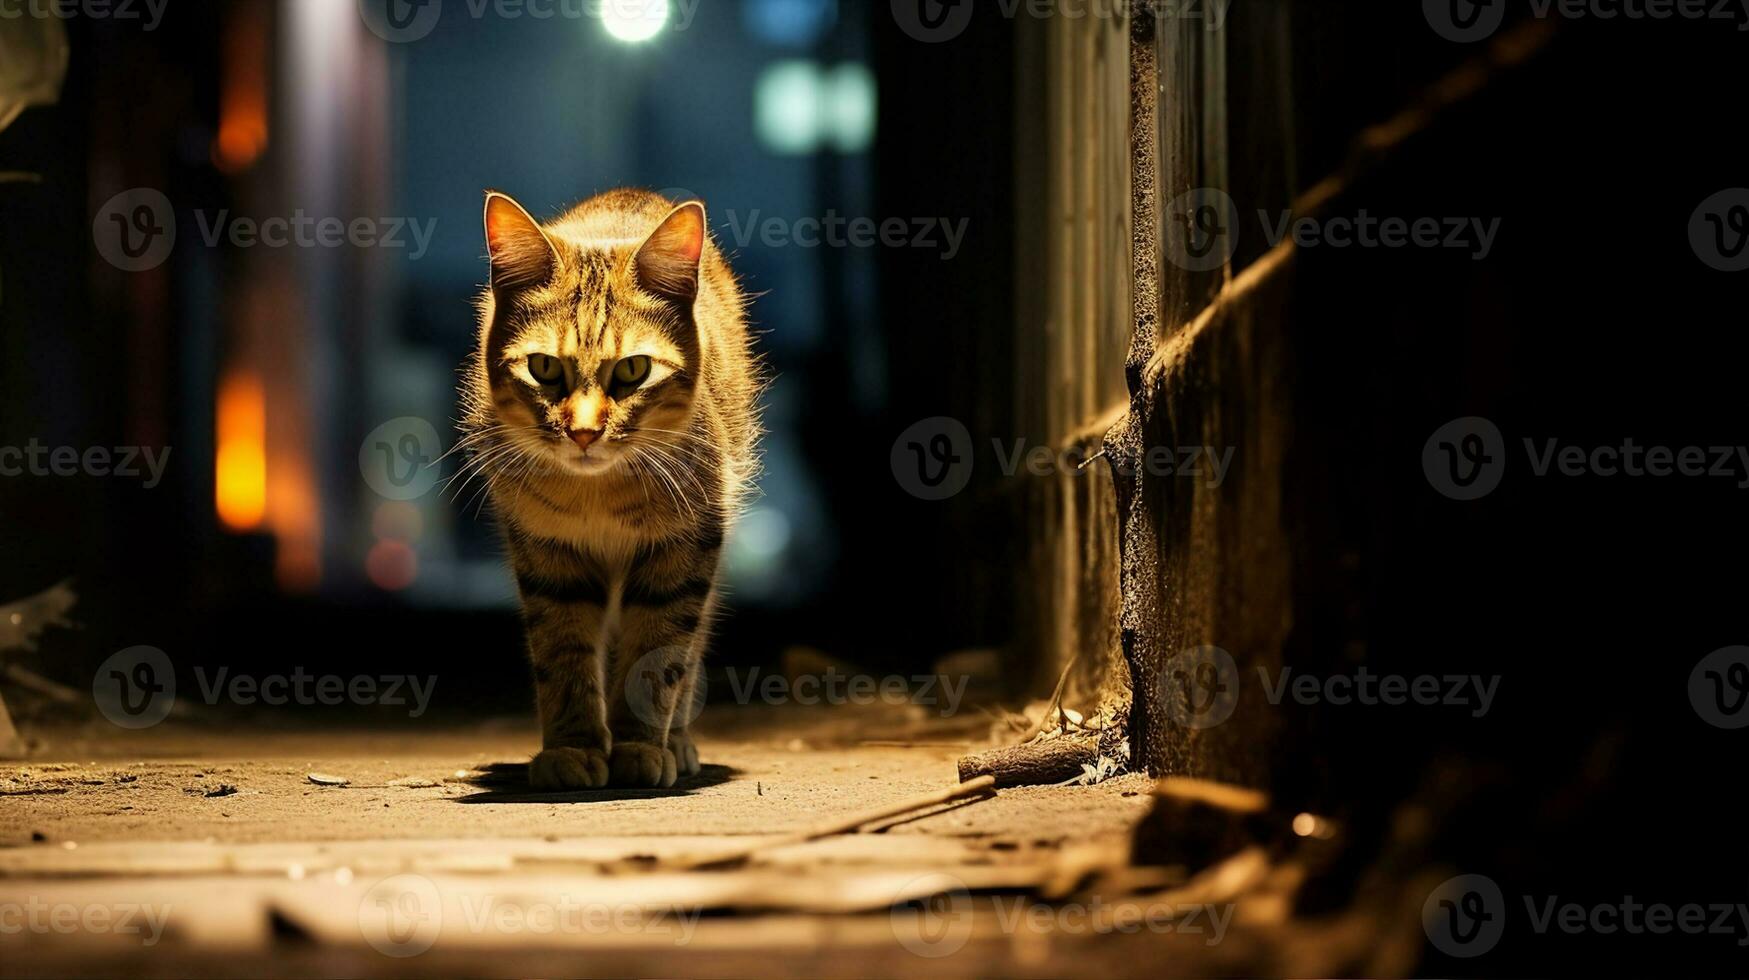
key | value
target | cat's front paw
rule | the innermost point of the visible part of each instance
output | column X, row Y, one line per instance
column 642, row 764
column 685, row 753
column 568, row 768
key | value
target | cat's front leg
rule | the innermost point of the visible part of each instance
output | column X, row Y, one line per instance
column 563, row 645
column 685, row 709
column 655, row 666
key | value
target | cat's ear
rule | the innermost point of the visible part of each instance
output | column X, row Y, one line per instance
column 667, row 262
column 520, row 252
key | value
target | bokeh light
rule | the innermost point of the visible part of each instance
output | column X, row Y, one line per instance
column 391, row 565
column 786, row 108
column 848, row 114
column 634, row 21
column 789, row 23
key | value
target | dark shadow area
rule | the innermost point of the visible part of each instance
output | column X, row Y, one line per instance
column 507, row 782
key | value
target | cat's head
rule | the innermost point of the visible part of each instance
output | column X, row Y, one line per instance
column 591, row 352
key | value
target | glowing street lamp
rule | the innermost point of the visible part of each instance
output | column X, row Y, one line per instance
column 634, row 21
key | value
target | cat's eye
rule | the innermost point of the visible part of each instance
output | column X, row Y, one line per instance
column 546, row 369
column 631, row 371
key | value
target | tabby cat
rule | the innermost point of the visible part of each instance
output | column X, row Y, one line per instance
column 610, row 409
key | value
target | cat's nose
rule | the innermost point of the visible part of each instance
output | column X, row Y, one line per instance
column 585, row 437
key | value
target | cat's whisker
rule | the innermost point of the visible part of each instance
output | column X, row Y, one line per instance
column 469, row 440
column 678, row 432
column 660, row 450
column 683, row 491
column 675, row 491
column 477, row 462
column 657, row 447
column 482, row 462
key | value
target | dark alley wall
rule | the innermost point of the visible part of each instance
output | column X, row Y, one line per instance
column 1331, row 550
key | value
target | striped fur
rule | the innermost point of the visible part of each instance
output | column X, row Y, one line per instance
column 615, row 546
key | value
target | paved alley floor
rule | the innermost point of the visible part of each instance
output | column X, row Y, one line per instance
column 300, row 853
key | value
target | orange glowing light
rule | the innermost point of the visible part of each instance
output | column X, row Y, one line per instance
column 240, row 465
column 295, row 516
column 243, row 93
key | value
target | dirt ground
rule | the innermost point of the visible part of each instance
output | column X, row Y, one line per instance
column 178, row 852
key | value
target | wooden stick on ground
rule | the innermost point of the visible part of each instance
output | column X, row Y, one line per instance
column 985, row 786
column 1033, row 763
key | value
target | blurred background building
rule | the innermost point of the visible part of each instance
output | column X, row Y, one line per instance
column 280, row 378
